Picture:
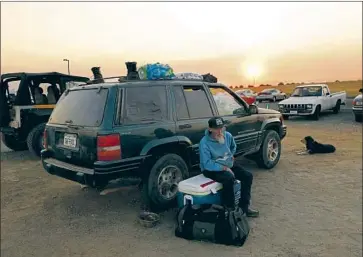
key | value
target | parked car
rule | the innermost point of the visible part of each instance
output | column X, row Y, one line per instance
column 357, row 107
column 151, row 130
column 247, row 95
column 311, row 100
column 26, row 102
column 248, row 92
column 270, row 94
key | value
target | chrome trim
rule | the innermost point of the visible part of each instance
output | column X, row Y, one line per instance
column 68, row 166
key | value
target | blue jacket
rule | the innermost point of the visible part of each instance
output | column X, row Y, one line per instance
column 213, row 155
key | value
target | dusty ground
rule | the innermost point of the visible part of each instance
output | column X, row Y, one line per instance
column 310, row 206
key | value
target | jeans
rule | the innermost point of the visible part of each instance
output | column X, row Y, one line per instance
column 228, row 179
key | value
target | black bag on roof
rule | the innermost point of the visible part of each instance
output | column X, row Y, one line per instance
column 213, row 223
column 210, row 78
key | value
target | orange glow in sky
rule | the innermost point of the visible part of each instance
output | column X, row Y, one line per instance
column 274, row 41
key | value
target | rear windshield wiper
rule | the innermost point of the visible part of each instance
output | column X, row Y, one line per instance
column 150, row 121
column 75, row 126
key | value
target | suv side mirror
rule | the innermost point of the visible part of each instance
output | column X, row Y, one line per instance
column 361, row 90
column 253, row 109
column 239, row 111
column 327, row 93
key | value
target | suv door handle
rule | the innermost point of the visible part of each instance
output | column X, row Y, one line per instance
column 185, row 126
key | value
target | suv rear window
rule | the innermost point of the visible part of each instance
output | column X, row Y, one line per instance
column 80, row 107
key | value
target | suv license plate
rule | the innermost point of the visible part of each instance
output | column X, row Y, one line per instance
column 70, row 140
column 293, row 112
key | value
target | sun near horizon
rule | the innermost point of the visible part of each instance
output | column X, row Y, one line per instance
column 241, row 43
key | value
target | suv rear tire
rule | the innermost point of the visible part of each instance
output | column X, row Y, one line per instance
column 35, row 139
column 13, row 143
column 163, row 180
column 270, row 151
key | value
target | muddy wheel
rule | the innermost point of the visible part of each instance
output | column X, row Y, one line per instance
column 35, row 139
column 14, row 143
column 163, row 180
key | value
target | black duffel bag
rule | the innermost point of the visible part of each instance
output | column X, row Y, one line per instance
column 213, row 223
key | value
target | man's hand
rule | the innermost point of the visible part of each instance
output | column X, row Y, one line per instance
column 226, row 169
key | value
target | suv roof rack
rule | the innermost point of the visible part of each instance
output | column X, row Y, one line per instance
column 123, row 79
column 133, row 75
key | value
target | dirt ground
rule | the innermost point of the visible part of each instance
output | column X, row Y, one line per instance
column 309, row 205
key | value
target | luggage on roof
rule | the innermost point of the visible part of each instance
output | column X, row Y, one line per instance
column 156, row 71
column 210, row 78
column 188, row 75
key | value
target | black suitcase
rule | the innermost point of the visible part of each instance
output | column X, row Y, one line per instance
column 213, row 223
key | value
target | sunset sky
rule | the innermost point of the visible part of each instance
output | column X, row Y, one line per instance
column 234, row 41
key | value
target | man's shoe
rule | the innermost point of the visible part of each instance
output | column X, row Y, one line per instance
column 252, row 213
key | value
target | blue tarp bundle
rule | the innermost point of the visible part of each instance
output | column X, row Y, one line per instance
column 155, row 71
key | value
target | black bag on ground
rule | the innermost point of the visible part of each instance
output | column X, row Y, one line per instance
column 213, row 223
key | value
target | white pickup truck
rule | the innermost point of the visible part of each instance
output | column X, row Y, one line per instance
column 311, row 100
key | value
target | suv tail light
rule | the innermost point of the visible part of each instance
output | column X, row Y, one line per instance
column 45, row 142
column 109, row 147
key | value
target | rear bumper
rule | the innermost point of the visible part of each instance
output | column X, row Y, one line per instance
column 357, row 110
column 99, row 176
column 67, row 171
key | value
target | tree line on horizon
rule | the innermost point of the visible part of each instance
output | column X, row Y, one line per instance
column 279, row 84
column 266, row 85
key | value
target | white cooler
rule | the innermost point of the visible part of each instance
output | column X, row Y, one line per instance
column 202, row 190
column 198, row 190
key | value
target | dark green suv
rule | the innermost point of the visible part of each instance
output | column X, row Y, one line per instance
column 150, row 130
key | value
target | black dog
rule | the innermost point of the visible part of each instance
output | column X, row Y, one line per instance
column 314, row 147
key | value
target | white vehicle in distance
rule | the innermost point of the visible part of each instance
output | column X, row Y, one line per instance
column 270, row 94
column 311, row 100
column 358, row 106
column 247, row 92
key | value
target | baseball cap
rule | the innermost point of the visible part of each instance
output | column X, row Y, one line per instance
column 216, row 122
